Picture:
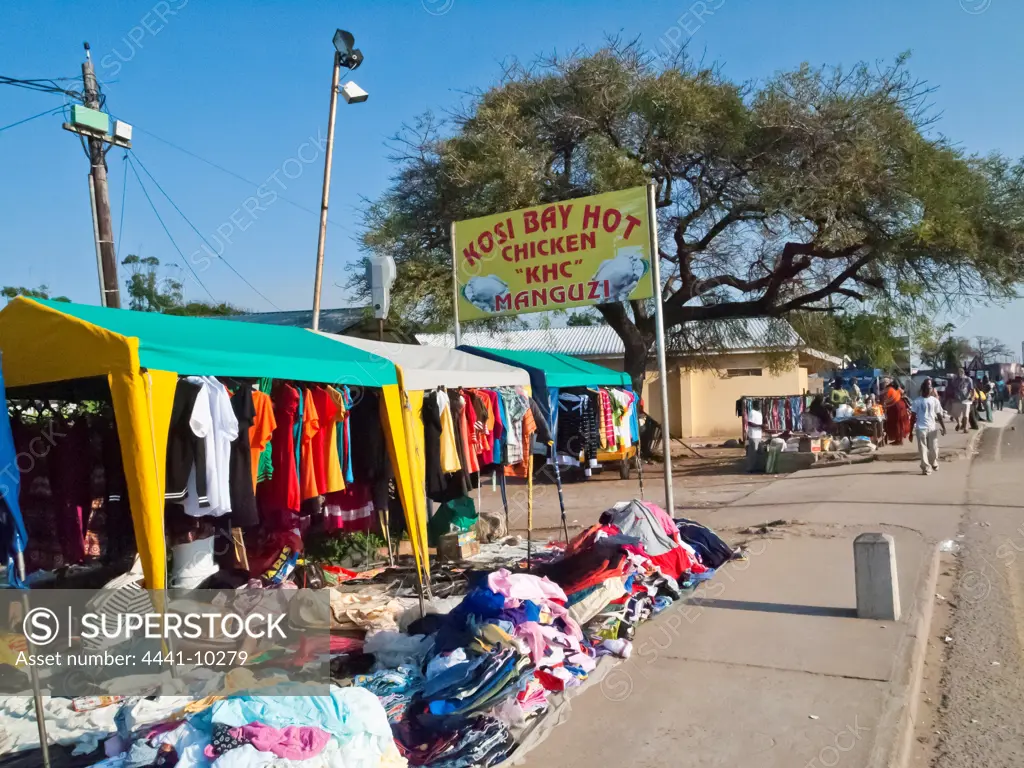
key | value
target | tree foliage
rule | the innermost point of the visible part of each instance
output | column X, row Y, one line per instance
column 818, row 190
column 869, row 340
column 42, row 292
column 148, row 291
column 948, row 351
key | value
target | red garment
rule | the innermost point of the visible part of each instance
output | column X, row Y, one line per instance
column 676, row 562
column 467, row 422
column 897, row 422
column 281, row 490
column 349, row 510
column 308, row 488
column 327, row 412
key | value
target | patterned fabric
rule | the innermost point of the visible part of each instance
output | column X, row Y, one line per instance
column 607, row 421
column 223, row 741
column 516, row 406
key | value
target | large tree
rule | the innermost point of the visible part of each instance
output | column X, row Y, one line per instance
column 811, row 191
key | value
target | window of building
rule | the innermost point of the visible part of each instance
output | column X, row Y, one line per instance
column 735, row 373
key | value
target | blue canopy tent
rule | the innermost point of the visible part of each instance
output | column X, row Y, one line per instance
column 13, row 537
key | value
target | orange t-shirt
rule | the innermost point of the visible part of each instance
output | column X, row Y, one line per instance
column 263, row 426
column 310, row 426
column 335, row 477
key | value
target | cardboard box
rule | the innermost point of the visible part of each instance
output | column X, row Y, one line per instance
column 453, row 547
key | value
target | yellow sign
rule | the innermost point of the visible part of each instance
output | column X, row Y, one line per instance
column 591, row 250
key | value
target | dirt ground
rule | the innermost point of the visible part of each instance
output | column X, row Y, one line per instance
column 700, row 486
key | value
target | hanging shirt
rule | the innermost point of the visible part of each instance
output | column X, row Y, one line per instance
column 754, row 422
column 214, row 420
column 448, row 450
column 331, row 431
column 326, row 412
column 281, row 491
column 263, row 426
column 500, row 427
column 434, row 475
column 243, row 493
column 345, row 437
column 308, row 488
column 185, row 449
column 467, row 419
column 516, row 406
column 225, row 432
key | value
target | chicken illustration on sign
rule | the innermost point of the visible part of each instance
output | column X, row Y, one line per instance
column 591, row 250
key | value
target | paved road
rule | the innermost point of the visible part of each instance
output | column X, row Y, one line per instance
column 981, row 720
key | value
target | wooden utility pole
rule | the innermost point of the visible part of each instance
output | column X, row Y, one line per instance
column 98, row 162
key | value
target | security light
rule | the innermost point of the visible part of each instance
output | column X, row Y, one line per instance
column 350, row 57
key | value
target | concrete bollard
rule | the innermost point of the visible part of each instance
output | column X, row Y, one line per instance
column 878, row 588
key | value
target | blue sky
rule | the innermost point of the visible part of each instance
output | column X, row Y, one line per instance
column 245, row 84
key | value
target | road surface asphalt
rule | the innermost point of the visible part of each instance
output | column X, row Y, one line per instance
column 980, row 722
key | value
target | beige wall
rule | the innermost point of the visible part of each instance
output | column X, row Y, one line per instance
column 713, row 397
column 702, row 403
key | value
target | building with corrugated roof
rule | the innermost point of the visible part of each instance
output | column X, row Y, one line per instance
column 710, row 365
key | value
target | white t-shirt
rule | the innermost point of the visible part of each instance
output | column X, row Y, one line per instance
column 213, row 419
column 754, row 422
column 927, row 409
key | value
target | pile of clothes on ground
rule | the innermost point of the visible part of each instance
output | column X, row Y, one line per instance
column 469, row 686
column 346, row 728
column 470, row 682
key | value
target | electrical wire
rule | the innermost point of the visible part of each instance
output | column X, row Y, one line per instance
column 124, row 190
column 167, row 231
column 42, row 84
column 242, row 178
column 202, row 237
column 27, row 119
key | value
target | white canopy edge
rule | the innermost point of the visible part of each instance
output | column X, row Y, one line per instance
column 431, row 367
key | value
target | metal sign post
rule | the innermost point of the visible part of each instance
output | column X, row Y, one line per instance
column 659, row 325
column 455, row 290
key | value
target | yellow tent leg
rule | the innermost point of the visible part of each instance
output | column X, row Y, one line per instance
column 142, row 409
column 398, row 448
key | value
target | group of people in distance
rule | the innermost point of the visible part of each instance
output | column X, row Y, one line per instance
column 966, row 401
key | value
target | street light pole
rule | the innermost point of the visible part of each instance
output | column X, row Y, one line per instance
column 328, row 157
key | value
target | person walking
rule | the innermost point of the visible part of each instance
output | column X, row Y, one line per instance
column 986, row 398
column 755, row 423
column 961, row 394
column 928, row 421
column 1000, row 393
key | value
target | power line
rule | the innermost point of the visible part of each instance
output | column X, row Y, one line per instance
column 42, row 84
column 27, row 119
column 124, row 190
column 167, row 231
column 242, row 178
column 203, row 237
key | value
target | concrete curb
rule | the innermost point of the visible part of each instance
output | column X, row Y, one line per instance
column 894, row 743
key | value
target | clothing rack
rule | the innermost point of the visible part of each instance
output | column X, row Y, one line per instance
column 781, row 413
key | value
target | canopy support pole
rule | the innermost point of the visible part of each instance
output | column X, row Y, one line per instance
column 659, row 324
column 558, row 485
column 529, row 508
column 639, row 470
column 37, row 694
column 504, row 499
